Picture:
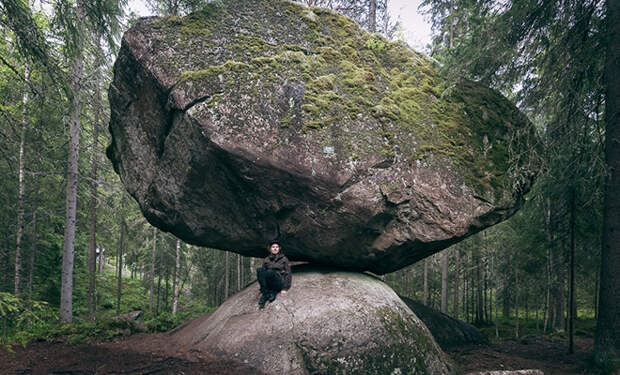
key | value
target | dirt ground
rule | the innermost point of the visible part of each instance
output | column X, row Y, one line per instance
column 140, row 355
column 136, row 355
column 533, row 353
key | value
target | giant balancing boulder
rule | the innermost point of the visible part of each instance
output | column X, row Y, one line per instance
column 253, row 119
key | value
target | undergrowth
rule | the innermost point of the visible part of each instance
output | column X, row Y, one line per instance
column 23, row 321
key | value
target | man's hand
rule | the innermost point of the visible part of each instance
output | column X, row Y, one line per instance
column 283, row 292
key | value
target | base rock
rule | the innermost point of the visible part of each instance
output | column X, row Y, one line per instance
column 330, row 322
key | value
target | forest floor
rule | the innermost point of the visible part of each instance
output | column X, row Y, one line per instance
column 140, row 355
column 531, row 353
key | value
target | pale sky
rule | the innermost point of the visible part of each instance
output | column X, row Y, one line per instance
column 416, row 30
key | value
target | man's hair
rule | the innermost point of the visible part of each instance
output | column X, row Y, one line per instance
column 274, row 242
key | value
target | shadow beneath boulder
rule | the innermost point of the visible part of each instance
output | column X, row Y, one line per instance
column 447, row 331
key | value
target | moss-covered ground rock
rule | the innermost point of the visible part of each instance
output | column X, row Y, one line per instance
column 255, row 119
column 330, row 322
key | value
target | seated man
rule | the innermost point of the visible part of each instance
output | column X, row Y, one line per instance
column 274, row 276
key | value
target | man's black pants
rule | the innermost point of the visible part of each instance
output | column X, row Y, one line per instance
column 270, row 280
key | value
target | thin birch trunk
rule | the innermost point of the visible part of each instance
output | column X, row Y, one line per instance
column 466, row 294
column 175, row 281
column 571, row 270
column 426, row 281
column 238, row 272
column 497, row 290
column 92, row 243
column 451, row 42
column 119, row 262
column 226, row 274
column 496, row 318
column 485, row 294
column 516, row 268
column 101, row 260
column 167, row 288
column 158, row 286
column 152, row 286
column 444, row 282
column 66, row 290
column 479, row 285
column 547, row 309
column 457, row 276
column 21, row 189
column 35, row 208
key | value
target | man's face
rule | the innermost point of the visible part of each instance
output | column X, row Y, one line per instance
column 274, row 248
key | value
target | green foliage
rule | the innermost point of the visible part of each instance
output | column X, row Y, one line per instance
column 23, row 320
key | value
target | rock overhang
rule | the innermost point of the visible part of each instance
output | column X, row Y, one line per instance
column 351, row 148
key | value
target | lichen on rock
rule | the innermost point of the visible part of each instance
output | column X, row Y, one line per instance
column 223, row 124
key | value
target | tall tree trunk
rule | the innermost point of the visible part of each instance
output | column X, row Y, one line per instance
column 558, row 292
column 451, row 31
column 372, row 16
column 226, row 274
column 238, row 272
column 20, row 194
column 525, row 306
column 497, row 285
column 101, row 260
column 152, row 281
column 66, row 290
column 426, row 281
column 5, row 264
column 158, row 285
column 92, row 242
column 490, row 304
column 479, row 302
column 175, row 281
column 547, row 311
column 571, row 270
column 487, row 302
column 516, row 268
column 35, row 208
column 607, row 341
column 595, row 294
column 167, row 289
column 119, row 261
column 457, row 275
column 444, row 282
column 466, row 291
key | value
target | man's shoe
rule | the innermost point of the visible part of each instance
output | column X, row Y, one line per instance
column 262, row 301
column 272, row 297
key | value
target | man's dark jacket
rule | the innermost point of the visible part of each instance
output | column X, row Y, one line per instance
column 279, row 263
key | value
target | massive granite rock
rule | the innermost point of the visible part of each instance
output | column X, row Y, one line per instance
column 255, row 119
column 330, row 322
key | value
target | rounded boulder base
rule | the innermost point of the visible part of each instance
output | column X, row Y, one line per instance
column 329, row 322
